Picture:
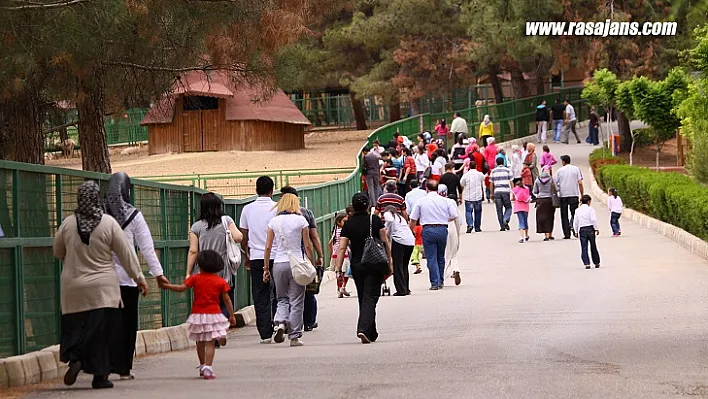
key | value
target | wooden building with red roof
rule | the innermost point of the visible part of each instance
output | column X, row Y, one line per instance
column 206, row 112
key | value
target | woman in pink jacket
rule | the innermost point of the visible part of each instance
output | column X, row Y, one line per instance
column 490, row 152
column 548, row 160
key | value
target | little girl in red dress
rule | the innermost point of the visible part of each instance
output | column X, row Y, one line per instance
column 206, row 323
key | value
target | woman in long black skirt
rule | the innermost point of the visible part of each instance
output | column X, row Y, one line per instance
column 543, row 189
column 136, row 230
column 90, row 294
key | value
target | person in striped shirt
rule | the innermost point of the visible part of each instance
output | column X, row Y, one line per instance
column 390, row 198
column 500, row 180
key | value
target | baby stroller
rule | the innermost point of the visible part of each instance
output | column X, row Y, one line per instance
column 385, row 290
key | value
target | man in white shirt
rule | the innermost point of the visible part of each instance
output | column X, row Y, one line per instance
column 417, row 192
column 586, row 226
column 570, row 121
column 434, row 212
column 254, row 226
column 473, row 194
column 459, row 126
column 569, row 180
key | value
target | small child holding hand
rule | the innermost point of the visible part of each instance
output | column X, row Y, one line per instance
column 207, row 323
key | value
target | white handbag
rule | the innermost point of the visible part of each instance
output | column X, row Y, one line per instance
column 303, row 271
column 233, row 250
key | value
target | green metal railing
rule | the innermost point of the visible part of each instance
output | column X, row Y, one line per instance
column 241, row 184
column 34, row 199
column 123, row 129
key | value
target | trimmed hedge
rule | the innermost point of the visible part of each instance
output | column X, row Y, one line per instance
column 671, row 197
column 602, row 156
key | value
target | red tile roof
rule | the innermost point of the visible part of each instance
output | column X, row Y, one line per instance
column 239, row 101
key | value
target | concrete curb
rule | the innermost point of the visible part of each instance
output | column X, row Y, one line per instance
column 682, row 237
column 44, row 365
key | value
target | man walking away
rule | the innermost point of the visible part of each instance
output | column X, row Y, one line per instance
column 372, row 174
column 310, row 312
column 434, row 212
column 501, row 181
column 459, row 127
column 415, row 194
column 557, row 115
column 254, row 226
column 570, row 122
column 452, row 181
column 586, row 226
column 390, row 198
column 569, row 181
column 472, row 184
column 542, row 116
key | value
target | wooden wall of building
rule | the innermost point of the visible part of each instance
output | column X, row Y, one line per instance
column 209, row 130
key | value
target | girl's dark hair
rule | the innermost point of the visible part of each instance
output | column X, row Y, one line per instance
column 360, row 202
column 460, row 140
column 546, row 149
column 407, row 151
column 211, row 209
column 441, row 153
column 337, row 219
column 613, row 192
column 443, row 123
column 210, row 261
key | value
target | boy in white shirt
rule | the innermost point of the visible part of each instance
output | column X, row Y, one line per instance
column 585, row 225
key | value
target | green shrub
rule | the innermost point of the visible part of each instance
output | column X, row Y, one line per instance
column 602, row 156
column 671, row 197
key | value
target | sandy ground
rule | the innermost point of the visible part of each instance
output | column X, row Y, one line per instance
column 646, row 156
column 323, row 150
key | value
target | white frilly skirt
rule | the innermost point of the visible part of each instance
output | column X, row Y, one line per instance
column 207, row 327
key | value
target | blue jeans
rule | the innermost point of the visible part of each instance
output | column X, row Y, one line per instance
column 476, row 219
column 557, row 126
column 503, row 202
column 615, row 222
column 523, row 220
column 587, row 238
column 594, row 136
column 434, row 243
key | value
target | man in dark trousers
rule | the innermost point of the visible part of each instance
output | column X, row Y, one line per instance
column 452, row 181
column 569, row 180
column 254, row 226
column 310, row 314
column 558, row 116
column 372, row 173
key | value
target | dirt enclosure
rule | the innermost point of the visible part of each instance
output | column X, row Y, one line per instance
column 327, row 149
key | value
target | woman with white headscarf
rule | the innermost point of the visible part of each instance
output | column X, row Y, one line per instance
column 517, row 162
column 452, row 268
column 90, row 295
column 486, row 130
column 136, row 230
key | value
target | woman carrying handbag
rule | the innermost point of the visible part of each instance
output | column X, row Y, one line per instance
column 289, row 230
column 546, row 203
column 370, row 261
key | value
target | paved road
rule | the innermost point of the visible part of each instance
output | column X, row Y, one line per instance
column 527, row 322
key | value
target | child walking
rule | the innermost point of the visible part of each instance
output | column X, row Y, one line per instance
column 417, row 248
column 585, row 224
column 207, row 323
column 522, row 196
column 548, row 160
column 614, row 203
column 343, row 278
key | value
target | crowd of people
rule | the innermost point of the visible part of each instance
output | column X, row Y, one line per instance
column 407, row 210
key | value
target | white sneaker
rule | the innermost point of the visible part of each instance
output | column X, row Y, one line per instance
column 279, row 335
column 296, row 342
column 267, row 341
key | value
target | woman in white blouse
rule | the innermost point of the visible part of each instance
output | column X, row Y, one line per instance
column 422, row 162
column 402, row 243
column 137, row 232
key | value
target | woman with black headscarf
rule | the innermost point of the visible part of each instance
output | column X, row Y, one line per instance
column 137, row 232
column 90, row 294
column 368, row 278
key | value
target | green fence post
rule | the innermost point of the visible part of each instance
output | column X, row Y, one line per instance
column 20, row 302
column 164, row 294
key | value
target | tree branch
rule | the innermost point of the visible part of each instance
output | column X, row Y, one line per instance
column 30, row 5
column 154, row 68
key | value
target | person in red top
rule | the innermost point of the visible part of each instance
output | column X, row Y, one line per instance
column 432, row 147
column 408, row 172
column 207, row 323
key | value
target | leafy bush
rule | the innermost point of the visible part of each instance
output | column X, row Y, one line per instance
column 643, row 137
column 602, row 156
column 671, row 197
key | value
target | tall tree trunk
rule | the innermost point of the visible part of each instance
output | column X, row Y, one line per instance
column 521, row 87
column 394, row 109
column 92, row 129
column 358, row 108
column 625, row 132
column 24, row 126
column 496, row 83
column 540, row 83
